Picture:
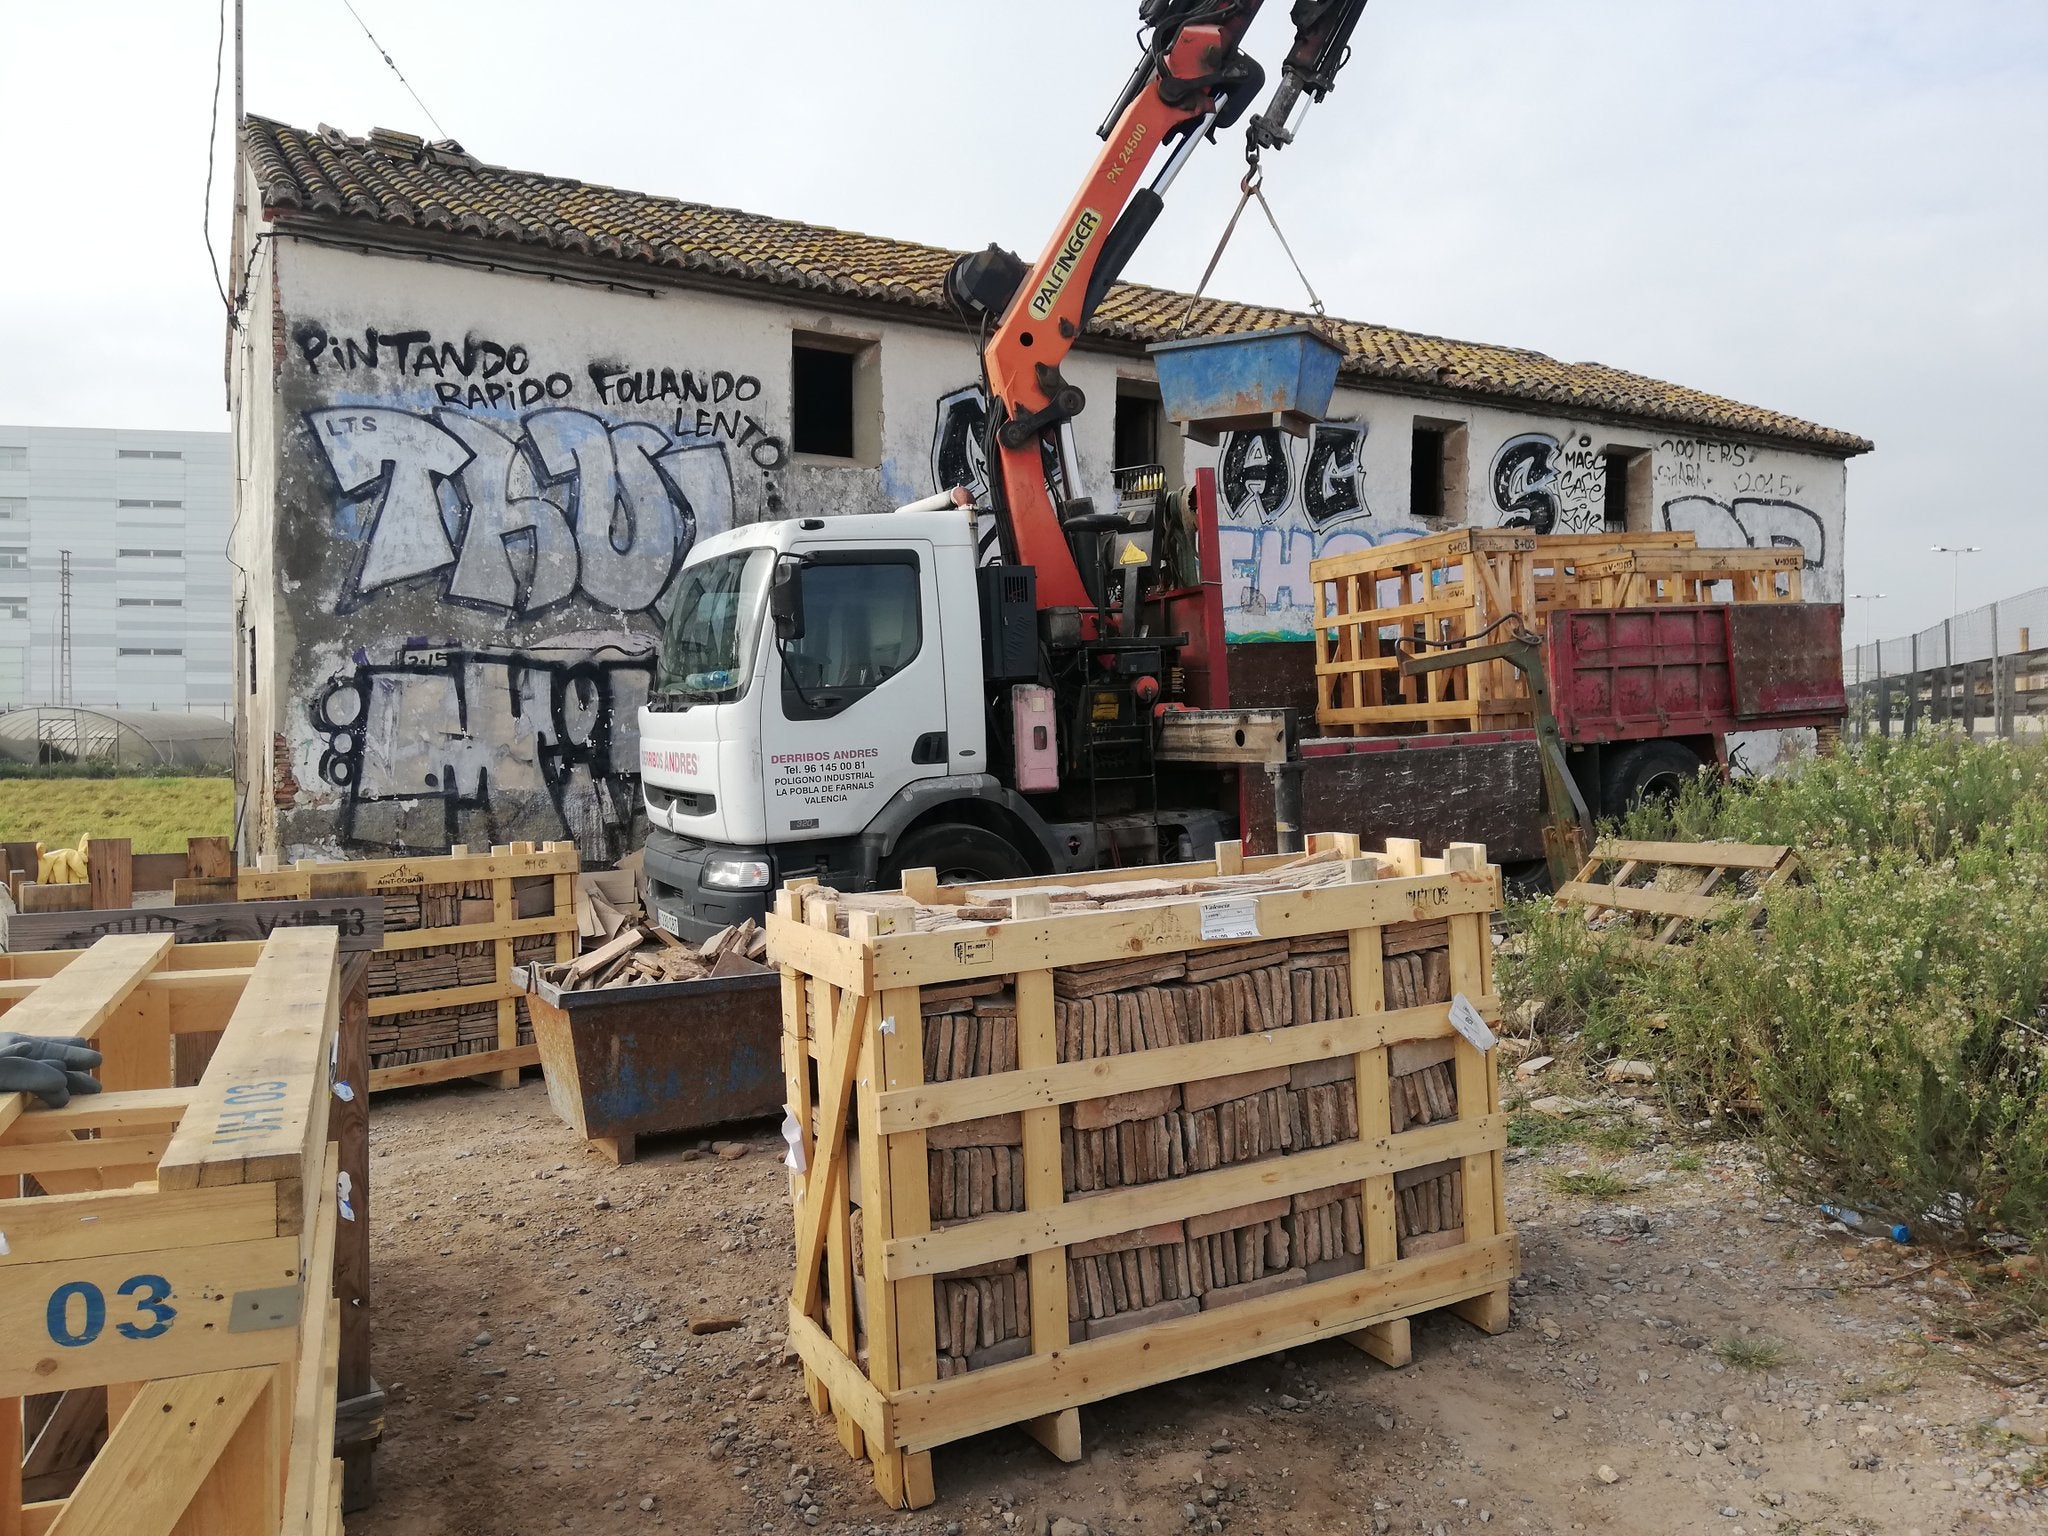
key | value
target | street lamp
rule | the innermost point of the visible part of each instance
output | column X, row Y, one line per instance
column 1869, row 633
column 1955, row 554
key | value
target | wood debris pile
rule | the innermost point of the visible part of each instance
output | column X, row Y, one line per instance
column 640, row 956
column 955, row 906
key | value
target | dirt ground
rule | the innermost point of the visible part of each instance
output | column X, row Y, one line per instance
column 532, row 1304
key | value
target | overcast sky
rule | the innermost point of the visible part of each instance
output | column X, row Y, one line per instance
column 1836, row 208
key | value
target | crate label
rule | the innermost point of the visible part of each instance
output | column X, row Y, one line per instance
column 974, row 951
column 669, row 921
column 1232, row 917
column 1466, row 1020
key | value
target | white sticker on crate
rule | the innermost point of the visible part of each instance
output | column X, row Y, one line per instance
column 1466, row 1020
column 1231, row 917
column 793, row 1134
column 669, row 921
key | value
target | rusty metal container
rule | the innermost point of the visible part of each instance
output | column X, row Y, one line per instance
column 626, row 1062
column 1249, row 379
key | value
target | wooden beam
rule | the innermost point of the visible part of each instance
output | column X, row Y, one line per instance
column 935, row 1104
column 1011, row 1234
column 145, row 1477
column 261, row 1109
column 1088, row 1372
column 92, row 989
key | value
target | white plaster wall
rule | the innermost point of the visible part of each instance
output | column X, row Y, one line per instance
column 1287, row 501
column 451, row 648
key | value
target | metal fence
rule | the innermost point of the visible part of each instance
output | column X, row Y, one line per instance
column 1985, row 672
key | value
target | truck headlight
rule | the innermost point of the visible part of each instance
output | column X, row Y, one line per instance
column 738, row 874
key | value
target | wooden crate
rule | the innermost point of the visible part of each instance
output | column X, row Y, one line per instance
column 443, row 1004
column 1670, row 890
column 1643, row 578
column 1097, row 1137
column 1446, row 588
column 165, row 1286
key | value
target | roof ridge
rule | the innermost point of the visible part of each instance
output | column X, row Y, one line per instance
column 399, row 179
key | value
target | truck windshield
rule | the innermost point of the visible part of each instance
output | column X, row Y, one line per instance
column 707, row 652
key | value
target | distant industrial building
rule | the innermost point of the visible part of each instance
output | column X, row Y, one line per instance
column 144, row 519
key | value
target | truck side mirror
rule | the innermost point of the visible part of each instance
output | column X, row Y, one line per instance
column 786, row 600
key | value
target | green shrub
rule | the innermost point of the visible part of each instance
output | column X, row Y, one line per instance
column 1885, row 1031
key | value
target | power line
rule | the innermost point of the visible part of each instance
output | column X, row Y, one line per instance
column 212, row 141
column 395, row 69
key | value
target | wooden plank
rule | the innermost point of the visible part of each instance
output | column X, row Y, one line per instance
column 144, row 1315
column 969, row 952
column 1096, row 1369
column 100, row 1222
column 350, row 1126
column 835, row 1099
column 1659, row 903
column 261, row 1109
column 416, row 1074
column 315, row 1394
column 445, row 997
column 1762, row 856
column 388, row 875
column 102, row 1152
column 947, row 1103
column 842, row 1377
column 1009, row 1235
column 109, row 1111
column 91, row 988
column 360, row 921
column 476, row 933
column 109, row 873
column 146, row 1476
column 36, row 897
column 209, row 858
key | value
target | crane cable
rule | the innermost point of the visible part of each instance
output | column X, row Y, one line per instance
column 1252, row 186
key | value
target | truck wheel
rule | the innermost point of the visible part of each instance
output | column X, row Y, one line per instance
column 1652, row 770
column 962, row 855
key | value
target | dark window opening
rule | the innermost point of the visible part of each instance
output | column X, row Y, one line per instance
column 821, row 401
column 1137, row 431
column 863, row 622
column 1621, row 469
column 1426, row 473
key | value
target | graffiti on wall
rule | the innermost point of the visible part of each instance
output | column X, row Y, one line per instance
column 1759, row 522
column 1549, row 485
column 519, row 516
column 1726, row 498
column 499, row 486
column 1283, row 503
column 447, row 744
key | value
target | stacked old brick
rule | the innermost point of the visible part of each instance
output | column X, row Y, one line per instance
column 1177, row 1268
column 435, row 1034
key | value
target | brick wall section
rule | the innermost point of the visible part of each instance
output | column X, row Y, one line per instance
column 285, row 790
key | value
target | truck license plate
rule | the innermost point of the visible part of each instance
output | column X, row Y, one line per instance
column 669, row 921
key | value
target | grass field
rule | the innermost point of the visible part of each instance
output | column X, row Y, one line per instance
column 157, row 815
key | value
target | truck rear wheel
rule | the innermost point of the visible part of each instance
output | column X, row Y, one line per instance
column 962, row 855
column 1651, row 770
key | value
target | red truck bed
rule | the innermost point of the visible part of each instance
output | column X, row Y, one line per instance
column 1617, row 675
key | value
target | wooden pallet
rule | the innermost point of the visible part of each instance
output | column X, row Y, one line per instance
column 1230, row 1114
column 1645, row 578
column 1671, row 890
column 465, row 981
column 167, row 1327
column 1446, row 588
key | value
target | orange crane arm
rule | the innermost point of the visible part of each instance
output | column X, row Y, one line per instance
column 1193, row 80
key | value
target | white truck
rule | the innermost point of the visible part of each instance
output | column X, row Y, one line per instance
column 825, row 706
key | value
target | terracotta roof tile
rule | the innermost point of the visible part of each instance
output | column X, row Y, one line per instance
column 397, row 179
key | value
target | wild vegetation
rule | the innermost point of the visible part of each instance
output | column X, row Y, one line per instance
column 156, row 814
column 1883, row 1034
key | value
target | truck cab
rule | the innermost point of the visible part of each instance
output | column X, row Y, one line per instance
column 821, row 708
